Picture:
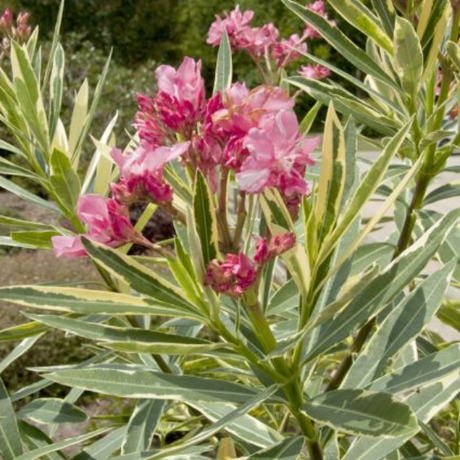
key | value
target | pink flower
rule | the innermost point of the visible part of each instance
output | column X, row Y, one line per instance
column 319, row 8
column 276, row 152
column 147, row 121
column 288, row 50
column 257, row 40
column 262, row 253
column 107, row 221
column 180, row 102
column 316, row 72
column 6, row 21
column 243, row 110
column 141, row 173
column 277, row 246
column 235, row 23
column 233, row 276
column 68, row 246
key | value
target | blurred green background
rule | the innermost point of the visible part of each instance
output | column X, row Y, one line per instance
column 145, row 34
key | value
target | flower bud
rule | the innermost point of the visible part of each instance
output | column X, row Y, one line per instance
column 233, row 276
column 6, row 21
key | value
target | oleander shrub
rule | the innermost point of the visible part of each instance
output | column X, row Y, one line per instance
column 270, row 325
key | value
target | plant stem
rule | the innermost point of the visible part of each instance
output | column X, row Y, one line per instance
column 241, row 218
column 222, row 210
column 292, row 388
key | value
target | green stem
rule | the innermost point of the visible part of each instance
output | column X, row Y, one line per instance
column 241, row 218
column 292, row 388
column 222, row 210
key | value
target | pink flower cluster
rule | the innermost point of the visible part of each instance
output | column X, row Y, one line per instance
column 278, row 245
column 264, row 40
column 255, row 133
column 237, row 273
column 315, row 72
column 20, row 31
column 107, row 221
column 257, row 41
column 233, row 276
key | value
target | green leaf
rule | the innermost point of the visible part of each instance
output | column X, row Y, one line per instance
column 56, row 87
column 449, row 314
column 142, row 426
column 65, row 181
column 385, row 287
column 332, row 176
column 341, row 43
column 10, row 169
column 444, row 192
column 28, row 95
column 437, row 442
column 91, row 113
column 23, row 331
column 402, row 325
column 450, row 249
column 408, row 57
column 453, row 50
column 184, row 273
column 380, row 95
column 205, row 219
column 224, row 70
column 289, row 449
column 205, row 434
column 25, row 224
column 131, row 340
column 40, row 239
column 52, row 410
column 152, row 385
column 434, row 36
column 362, row 413
column 387, row 14
column 140, row 278
column 34, row 438
column 99, row 171
column 179, row 348
column 9, row 242
column 425, row 403
column 347, row 104
column 25, row 195
column 365, row 190
column 279, row 221
column 246, row 428
column 18, row 351
column 54, row 43
column 438, row 10
column 364, row 20
column 431, row 369
column 85, row 301
column 79, row 113
column 346, row 294
column 285, row 298
column 10, row 441
column 103, row 448
column 309, row 118
column 41, row 451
